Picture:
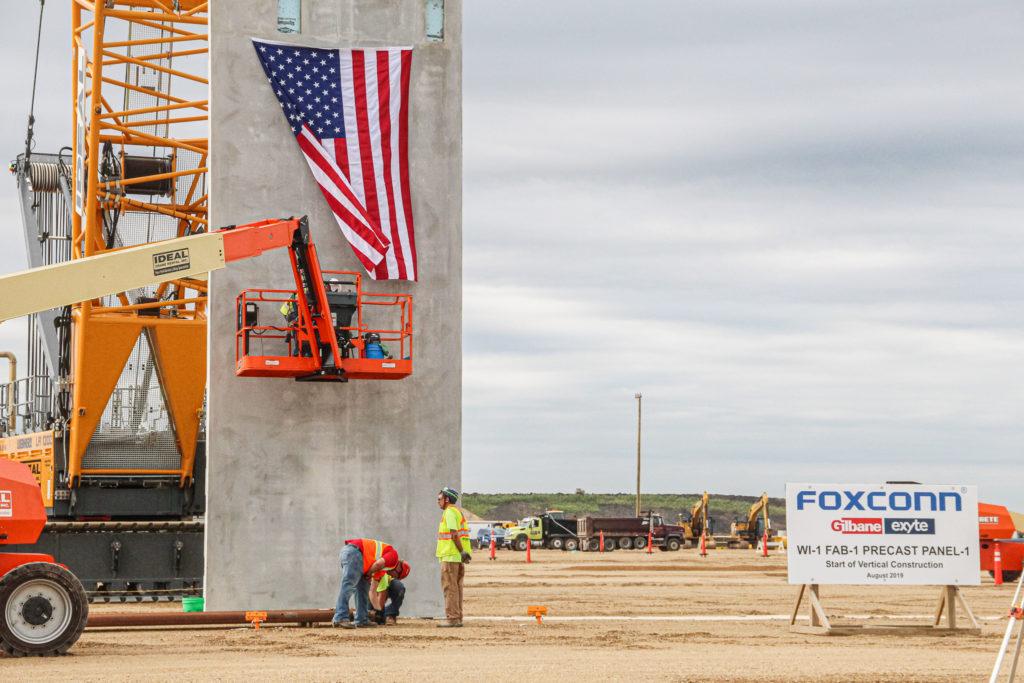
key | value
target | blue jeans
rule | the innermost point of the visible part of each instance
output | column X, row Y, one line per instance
column 396, row 594
column 352, row 581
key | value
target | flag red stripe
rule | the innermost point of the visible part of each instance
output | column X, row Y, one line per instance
column 341, row 155
column 403, row 159
column 384, row 96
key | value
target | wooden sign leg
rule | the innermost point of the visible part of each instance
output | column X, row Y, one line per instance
column 940, row 607
column 796, row 607
column 948, row 597
column 818, row 621
column 967, row 609
column 818, row 618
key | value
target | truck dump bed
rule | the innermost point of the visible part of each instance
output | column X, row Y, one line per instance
column 565, row 527
column 590, row 526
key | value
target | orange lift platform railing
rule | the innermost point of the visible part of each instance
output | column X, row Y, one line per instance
column 330, row 329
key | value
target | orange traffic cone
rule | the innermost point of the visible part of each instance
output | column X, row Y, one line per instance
column 997, row 566
column 528, row 544
column 649, row 535
column 492, row 545
column 764, row 544
column 602, row 542
column 703, row 547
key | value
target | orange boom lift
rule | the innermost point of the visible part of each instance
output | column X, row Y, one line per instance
column 110, row 414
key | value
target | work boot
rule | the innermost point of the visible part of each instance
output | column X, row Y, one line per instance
column 450, row 623
column 366, row 624
column 389, row 621
column 342, row 624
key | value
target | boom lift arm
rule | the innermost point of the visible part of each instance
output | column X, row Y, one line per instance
column 334, row 348
column 93, row 277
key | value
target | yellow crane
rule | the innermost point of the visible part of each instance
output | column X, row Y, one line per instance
column 116, row 381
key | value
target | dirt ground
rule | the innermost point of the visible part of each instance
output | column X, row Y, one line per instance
column 653, row 617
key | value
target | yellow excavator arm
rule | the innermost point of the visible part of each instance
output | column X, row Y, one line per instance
column 699, row 514
column 755, row 510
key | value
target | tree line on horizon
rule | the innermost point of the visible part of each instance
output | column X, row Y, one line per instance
column 724, row 508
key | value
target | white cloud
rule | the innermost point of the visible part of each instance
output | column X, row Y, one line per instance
column 794, row 227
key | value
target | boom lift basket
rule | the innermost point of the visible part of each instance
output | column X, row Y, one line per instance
column 356, row 344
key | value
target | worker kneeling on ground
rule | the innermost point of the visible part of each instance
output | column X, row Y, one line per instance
column 387, row 593
column 362, row 561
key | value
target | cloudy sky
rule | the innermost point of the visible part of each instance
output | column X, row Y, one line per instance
column 794, row 226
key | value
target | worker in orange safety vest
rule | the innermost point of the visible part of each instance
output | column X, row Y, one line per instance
column 453, row 552
column 363, row 560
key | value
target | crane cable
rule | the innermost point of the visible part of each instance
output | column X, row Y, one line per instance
column 35, row 76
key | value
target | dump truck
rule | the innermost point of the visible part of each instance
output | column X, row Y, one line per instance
column 552, row 529
column 997, row 525
column 629, row 532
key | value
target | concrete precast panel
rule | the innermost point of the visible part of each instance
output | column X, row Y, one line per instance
column 295, row 468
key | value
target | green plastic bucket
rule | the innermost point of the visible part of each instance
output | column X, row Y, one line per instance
column 191, row 604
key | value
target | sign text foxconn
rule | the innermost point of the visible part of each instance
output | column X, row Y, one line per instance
column 882, row 534
column 900, row 501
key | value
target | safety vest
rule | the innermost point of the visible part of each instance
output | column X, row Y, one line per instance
column 372, row 551
column 289, row 311
column 446, row 537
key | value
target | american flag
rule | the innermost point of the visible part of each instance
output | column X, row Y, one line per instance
column 349, row 112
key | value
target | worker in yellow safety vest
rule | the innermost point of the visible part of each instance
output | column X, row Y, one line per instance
column 453, row 551
column 364, row 560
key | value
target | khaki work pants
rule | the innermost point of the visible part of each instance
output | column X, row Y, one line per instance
column 452, row 574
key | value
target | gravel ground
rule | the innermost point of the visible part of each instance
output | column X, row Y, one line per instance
column 619, row 616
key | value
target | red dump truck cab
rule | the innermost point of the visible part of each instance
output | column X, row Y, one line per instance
column 996, row 525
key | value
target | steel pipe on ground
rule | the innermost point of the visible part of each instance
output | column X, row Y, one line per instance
column 207, row 618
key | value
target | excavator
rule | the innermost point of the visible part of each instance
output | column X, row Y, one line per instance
column 699, row 523
column 109, row 411
column 752, row 531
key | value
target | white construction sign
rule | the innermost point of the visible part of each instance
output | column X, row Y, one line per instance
column 882, row 534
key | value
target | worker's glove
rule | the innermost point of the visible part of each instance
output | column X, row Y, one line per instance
column 466, row 557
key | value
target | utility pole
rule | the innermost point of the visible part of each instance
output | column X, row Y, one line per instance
column 639, row 401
